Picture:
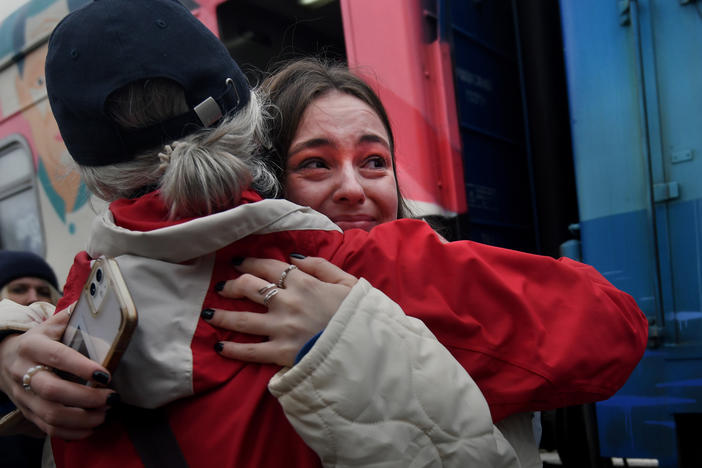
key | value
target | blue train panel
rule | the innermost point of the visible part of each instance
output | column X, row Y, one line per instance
column 634, row 71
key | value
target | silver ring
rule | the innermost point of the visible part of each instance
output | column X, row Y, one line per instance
column 269, row 296
column 264, row 290
column 284, row 274
column 27, row 377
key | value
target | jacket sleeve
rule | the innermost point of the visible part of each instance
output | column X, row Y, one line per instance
column 534, row 333
column 377, row 389
column 18, row 318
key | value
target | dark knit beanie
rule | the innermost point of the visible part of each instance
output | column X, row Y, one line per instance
column 15, row 265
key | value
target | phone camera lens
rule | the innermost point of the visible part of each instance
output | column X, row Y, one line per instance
column 93, row 289
column 98, row 275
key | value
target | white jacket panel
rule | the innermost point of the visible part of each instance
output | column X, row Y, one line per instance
column 157, row 366
column 378, row 390
column 19, row 318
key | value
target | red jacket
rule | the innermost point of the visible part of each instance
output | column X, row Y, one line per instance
column 534, row 333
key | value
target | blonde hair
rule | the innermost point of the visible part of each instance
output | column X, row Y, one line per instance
column 199, row 174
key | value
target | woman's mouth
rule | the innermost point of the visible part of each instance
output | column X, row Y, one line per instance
column 346, row 222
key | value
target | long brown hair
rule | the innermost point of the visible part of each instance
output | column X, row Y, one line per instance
column 294, row 85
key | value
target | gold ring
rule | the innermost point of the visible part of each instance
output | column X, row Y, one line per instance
column 284, row 274
column 27, row 377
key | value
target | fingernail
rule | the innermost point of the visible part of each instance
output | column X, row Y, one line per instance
column 113, row 399
column 236, row 261
column 297, row 256
column 101, row 377
column 219, row 286
column 219, row 346
column 207, row 314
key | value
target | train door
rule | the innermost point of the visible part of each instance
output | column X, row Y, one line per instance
column 498, row 170
column 633, row 78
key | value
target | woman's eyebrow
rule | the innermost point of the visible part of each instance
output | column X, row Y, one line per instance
column 311, row 143
column 373, row 138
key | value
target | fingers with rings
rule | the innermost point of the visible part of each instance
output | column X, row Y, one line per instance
column 27, row 377
column 284, row 274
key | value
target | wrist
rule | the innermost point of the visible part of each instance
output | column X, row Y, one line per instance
column 307, row 346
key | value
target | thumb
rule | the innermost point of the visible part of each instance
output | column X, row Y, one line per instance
column 323, row 270
column 55, row 325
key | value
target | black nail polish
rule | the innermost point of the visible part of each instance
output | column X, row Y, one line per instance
column 207, row 314
column 219, row 346
column 297, row 256
column 101, row 377
column 236, row 261
column 219, row 286
column 113, row 399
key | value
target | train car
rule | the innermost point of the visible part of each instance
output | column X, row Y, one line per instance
column 44, row 207
column 634, row 72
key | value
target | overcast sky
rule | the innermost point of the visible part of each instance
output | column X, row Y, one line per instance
column 8, row 6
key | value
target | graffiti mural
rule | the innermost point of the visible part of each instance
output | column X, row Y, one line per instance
column 24, row 92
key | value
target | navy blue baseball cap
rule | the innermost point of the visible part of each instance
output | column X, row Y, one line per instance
column 108, row 44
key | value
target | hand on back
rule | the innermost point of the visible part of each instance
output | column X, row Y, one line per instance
column 312, row 293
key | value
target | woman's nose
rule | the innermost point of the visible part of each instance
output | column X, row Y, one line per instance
column 349, row 188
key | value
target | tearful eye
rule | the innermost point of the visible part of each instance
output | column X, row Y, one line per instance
column 312, row 164
column 376, row 162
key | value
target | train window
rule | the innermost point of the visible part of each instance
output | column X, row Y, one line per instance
column 20, row 222
column 15, row 167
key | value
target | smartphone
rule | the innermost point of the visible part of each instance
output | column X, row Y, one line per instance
column 104, row 317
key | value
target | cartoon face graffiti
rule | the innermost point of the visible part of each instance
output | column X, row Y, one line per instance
column 54, row 166
column 55, row 169
column 25, row 93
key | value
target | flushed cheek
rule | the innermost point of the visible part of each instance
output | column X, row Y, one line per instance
column 387, row 202
column 389, row 213
column 305, row 193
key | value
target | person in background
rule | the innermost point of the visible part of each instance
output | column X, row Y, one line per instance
column 25, row 278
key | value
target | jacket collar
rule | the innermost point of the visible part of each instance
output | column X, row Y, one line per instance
column 182, row 240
